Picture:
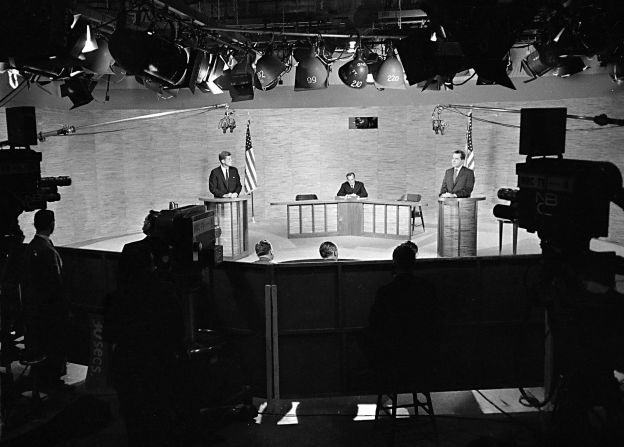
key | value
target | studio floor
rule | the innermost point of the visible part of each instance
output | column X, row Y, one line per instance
column 73, row 418
column 367, row 248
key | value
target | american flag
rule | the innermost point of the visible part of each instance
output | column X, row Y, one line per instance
column 250, row 165
column 469, row 163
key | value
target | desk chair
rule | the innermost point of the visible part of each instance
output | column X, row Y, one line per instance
column 514, row 224
column 306, row 197
column 416, row 210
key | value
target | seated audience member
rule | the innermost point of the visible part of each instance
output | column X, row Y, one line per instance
column 412, row 245
column 328, row 251
column 404, row 319
column 264, row 250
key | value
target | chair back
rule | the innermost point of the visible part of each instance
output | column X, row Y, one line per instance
column 410, row 197
column 306, row 197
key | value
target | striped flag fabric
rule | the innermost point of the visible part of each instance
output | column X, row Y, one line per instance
column 470, row 162
column 251, row 179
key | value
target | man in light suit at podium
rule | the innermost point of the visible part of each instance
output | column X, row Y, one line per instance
column 224, row 180
column 458, row 180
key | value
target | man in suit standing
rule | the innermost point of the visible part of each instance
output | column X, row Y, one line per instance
column 352, row 188
column 224, row 180
column 46, row 310
column 458, row 180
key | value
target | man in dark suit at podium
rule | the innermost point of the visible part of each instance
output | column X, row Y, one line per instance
column 224, row 181
column 458, row 180
column 352, row 188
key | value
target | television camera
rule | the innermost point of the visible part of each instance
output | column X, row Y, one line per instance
column 566, row 202
column 189, row 234
column 22, row 188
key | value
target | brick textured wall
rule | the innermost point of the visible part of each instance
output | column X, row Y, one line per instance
column 121, row 171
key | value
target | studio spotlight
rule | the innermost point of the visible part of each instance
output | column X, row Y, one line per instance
column 141, row 53
column 90, row 42
column 354, row 73
column 99, row 61
column 616, row 71
column 200, row 71
column 390, row 73
column 79, row 37
column 269, row 70
column 374, row 63
column 570, row 66
column 534, row 65
column 218, row 79
column 241, row 81
column 312, row 72
column 78, row 90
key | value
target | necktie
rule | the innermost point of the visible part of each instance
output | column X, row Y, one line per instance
column 227, row 175
column 455, row 174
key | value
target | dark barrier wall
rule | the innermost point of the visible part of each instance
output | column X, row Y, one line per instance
column 492, row 337
column 294, row 326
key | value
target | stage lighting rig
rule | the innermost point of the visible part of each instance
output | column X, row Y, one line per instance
column 353, row 74
column 269, row 70
column 390, row 74
column 313, row 69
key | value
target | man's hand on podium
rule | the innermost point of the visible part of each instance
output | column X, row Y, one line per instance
column 234, row 195
column 448, row 194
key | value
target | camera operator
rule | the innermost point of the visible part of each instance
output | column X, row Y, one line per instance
column 146, row 330
column 134, row 252
column 45, row 307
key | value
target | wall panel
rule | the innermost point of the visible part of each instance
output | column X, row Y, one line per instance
column 120, row 172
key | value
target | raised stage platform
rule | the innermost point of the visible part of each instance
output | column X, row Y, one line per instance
column 349, row 247
column 364, row 248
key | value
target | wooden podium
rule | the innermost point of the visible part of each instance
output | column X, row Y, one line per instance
column 457, row 226
column 231, row 217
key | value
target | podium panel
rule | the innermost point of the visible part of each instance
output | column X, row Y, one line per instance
column 362, row 217
column 457, row 226
column 231, row 217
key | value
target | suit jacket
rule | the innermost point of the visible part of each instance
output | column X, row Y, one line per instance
column 404, row 321
column 463, row 184
column 219, row 187
column 358, row 189
column 135, row 256
column 42, row 279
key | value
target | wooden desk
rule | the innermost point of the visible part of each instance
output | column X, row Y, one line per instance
column 457, row 226
column 349, row 217
column 231, row 217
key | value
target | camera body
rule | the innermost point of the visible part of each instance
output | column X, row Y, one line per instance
column 189, row 233
column 565, row 201
column 21, row 186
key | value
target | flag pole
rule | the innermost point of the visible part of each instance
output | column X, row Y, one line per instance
column 253, row 217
